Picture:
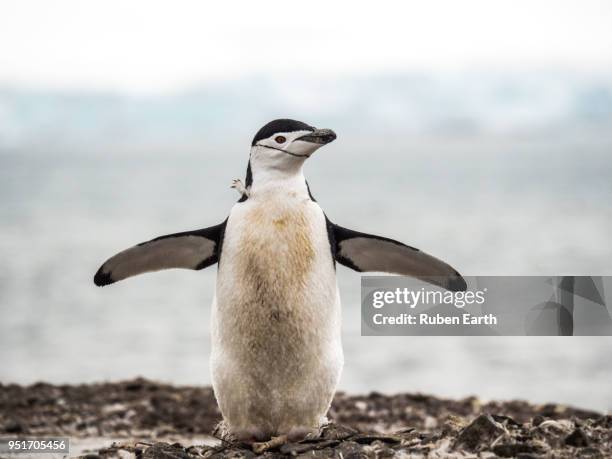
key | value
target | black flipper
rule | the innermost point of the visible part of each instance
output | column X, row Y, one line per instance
column 367, row 252
column 188, row 250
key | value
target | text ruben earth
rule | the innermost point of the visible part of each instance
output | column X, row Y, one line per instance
column 436, row 319
column 412, row 298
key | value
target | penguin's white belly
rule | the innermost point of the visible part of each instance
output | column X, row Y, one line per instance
column 276, row 345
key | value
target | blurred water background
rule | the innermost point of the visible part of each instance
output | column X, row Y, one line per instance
column 497, row 169
column 497, row 175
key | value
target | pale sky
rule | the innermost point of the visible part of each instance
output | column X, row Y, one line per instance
column 144, row 45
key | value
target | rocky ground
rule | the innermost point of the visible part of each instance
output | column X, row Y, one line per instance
column 148, row 420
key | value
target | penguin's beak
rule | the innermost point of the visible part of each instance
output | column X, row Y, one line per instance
column 319, row 136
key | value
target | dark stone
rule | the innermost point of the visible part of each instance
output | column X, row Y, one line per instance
column 537, row 420
column 237, row 453
column 550, row 410
column 298, row 448
column 320, row 454
column 505, row 420
column 368, row 439
column 481, row 431
column 135, row 385
column 166, row 451
column 513, row 449
column 13, row 426
column 274, row 455
column 577, row 438
column 81, row 425
column 337, row 432
column 351, row 450
column 605, row 422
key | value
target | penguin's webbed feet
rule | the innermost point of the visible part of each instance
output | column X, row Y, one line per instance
column 239, row 187
column 295, row 435
column 274, row 442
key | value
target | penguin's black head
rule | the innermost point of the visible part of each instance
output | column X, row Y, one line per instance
column 280, row 148
column 292, row 138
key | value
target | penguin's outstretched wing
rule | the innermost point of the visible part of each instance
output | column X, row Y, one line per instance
column 367, row 252
column 188, row 250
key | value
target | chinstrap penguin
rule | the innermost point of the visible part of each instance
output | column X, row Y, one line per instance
column 276, row 345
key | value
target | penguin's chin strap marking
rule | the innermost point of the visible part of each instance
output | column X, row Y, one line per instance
column 242, row 189
column 284, row 151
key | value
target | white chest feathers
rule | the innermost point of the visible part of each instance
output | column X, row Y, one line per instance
column 275, row 249
column 276, row 350
column 276, row 279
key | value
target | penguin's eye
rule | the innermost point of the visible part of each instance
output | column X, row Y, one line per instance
column 280, row 139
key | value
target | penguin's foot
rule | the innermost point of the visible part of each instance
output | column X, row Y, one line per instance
column 239, row 436
column 239, row 187
column 296, row 434
column 274, row 442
